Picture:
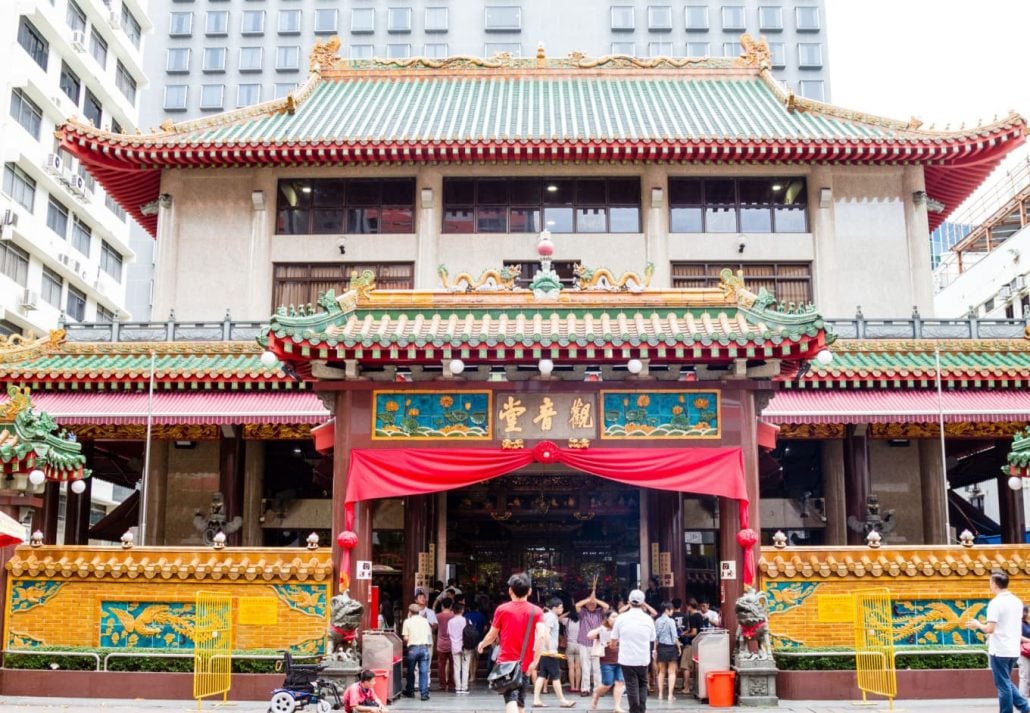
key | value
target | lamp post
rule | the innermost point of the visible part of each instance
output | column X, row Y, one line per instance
column 146, row 456
column 944, row 454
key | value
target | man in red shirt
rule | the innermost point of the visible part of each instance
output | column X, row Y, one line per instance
column 510, row 623
column 360, row 697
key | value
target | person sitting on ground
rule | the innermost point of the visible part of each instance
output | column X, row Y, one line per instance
column 549, row 668
column 360, row 696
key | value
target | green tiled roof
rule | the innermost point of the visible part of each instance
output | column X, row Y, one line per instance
column 1007, row 362
column 1019, row 456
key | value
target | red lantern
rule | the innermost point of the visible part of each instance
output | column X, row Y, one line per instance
column 347, row 539
column 545, row 452
column 747, row 538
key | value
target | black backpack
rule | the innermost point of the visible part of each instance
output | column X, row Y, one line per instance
column 469, row 637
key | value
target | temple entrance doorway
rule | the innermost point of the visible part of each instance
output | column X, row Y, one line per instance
column 564, row 528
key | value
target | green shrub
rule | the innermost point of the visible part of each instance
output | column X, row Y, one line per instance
column 44, row 659
column 831, row 661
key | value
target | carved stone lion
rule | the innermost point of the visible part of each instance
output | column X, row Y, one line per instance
column 344, row 620
column 753, row 641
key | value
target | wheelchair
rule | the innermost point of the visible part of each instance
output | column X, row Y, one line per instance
column 302, row 687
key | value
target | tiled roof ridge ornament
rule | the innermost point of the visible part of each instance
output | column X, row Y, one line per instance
column 756, row 52
column 15, row 347
column 602, row 279
column 35, row 440
column 324, row 55
column 1019, row 455
column 491, row 280
column 546, row 284
column 764, row 303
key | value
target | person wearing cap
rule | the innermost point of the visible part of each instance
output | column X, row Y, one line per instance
column 635, row 632
column 418, row 637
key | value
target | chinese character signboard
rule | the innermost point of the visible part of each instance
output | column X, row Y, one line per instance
column 538, row 416
column 431, row 415
column 645, row 415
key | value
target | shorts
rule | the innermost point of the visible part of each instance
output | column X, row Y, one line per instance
column 518, row 695
column 611, row 673
column 668, row 653
column 548, row 668
column 572, row 652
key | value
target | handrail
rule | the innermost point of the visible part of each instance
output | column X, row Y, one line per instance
column 897, row 652
column 137, row 654
column 30, row 652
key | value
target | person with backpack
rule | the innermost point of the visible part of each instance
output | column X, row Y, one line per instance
column 474, row 617
column 461, row 652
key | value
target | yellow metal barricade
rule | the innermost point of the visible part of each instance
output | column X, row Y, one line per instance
column 874, row 644
column 212, row 646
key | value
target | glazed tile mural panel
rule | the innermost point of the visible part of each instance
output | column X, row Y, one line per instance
column 653, row 415
column 432, row 415
column 146, row 625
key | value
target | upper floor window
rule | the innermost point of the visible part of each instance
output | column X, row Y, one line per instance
column 334, row 206
column 528, row 205
column 20, row 186
column 512, row 48
column 82, row 236
column 57, row 218
column 398, row 19
column 214, row 59
column 731, row 49
column 807, row 19
column 75, row 306
column 92, row 109
column 623, row 18
column 697, row 18
column 26, row 112
column 738, row 205
column 659, row 18
column 178, row 60
column 436, row 19
column 362, row 51
column 14, row 262
column 435, row 50
column 503, row 19
column 770, row 19
column 70, row 83
column 248, row 94
column 398, row 50
column 698, row 49
column 217, row 23
column 110, row 261
column 810, row 54
column 175, row 97
column 253, row 22
column 788, row 281
column 326, row 20
column 283, row 89
column 250, row 59
column 125, row 82
column 301, row 283
column 812, row 89
column 362, row 20
column 659, row 49
column 32, row 42
column 733, row 17
column 75, row 17
column 627, row 48
column 52, row 287
column 131, row 26
column 211, row 96
column 104, row 315
column 778, row 55
column 289, row 22
column 180, row 24
column 287, row 59
column 98, row 48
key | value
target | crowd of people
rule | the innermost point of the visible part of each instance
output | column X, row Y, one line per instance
column 625, row 646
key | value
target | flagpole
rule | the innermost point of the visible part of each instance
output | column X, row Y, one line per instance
column 944, row 454
column 146, row 455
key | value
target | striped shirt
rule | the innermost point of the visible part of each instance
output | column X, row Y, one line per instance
column 665, row 629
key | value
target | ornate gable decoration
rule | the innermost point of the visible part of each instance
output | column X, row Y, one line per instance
column 33, row 440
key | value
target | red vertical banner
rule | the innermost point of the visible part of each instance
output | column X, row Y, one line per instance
column 373, row 605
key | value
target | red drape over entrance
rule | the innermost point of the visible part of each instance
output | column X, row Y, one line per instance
column 388, row 473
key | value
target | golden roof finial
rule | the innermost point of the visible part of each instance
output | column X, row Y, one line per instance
column 541, row 55
column 18, row 400
column 756, row 52
column 324, row 54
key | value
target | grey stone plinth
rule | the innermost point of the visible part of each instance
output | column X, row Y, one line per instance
column 341, row 673
column 756, row 681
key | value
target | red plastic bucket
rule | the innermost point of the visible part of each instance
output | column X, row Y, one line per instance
column 720, row 688
column 382, row 685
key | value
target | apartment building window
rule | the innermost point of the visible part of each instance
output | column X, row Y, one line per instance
column 503, row 19
column 180, row 24
column 57, row 218
column 697, row 18
column 116, row 128
column 623, row 18
column 20, row 186
column 362, row 51
column 98, row 48
column 738, row 205
column 175, row 97
column 82, row 236
column 51, row 288
column 248, row 94
column 104, row 315
column 398, row 51
column 92, row 109
column 131, row 26
column 110, row 261
column 250, row 59
column 214, row 59
column 326, row 21
column 810, row 55
column 627, row 48
column 778, row 55
column 789, row 282
column 14, row 262
column 283, row 89
column 362, row 20
column 770, row 19
column 289, row 22
column 807, row 19
column 512, row 48
column 659, row 18
column 302, row 283
column 70, row 83
column 124, row 81
column 75, row 307
column 436, row 19
column 253, row 22
column 698, row 49
column 211, row 96
column 217, row 23
column 75, row 17
column 435, row 50
column 812, row 89
column 334, row 206
column 731, row 49
column 26, row 112
column 287, row 59
column 178, row 60
column 659, row 49
column 32, row 42
column 530, row 205
column 398, row 19
column 733, row 18
column 116, row 210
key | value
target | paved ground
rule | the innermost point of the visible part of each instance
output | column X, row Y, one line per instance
column 478, row 702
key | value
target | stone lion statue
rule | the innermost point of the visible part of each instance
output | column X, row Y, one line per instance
column 344, row 620
column 753, row 641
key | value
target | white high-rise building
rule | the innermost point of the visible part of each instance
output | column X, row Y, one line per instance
column 64, row 244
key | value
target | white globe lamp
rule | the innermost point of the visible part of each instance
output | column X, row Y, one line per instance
column 1015, row 482
column 269, row 359
column 456, row 366
column 824, row 357
column 78, row 487
column 36, row 477
column 546, row 366
column 634, row 366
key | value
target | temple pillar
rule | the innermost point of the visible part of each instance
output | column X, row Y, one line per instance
column 832, row 456
column 157, row 493
column 645, row 536
column 857, row 483
column 72, row 513
column 416, row 540
column 230, row 476
column 51, row 504
column 441, row 536
column 933, row 486
column 729, row 550
column 655, row 185
column 429, row 215
column 668, row 518
column 85, row 502
column 1010, row 510
column 253, row 489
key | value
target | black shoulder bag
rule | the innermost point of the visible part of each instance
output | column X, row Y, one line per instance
column 506, row 677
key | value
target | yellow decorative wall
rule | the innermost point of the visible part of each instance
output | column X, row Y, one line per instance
column 143, row 598
column 933, row 591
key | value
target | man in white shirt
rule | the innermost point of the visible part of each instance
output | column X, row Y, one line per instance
column 1003, row 629
column 635, row 632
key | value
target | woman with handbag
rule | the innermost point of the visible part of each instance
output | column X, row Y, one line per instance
column 1024, row 654
column 519, row 626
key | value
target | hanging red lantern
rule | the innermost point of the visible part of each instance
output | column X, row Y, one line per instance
column 347, row 539
column 545, row 452
column 747, row 538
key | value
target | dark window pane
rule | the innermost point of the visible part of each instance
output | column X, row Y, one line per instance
column 459, row 192
column 458, row 221
column 624, row 191
column 525, row 192
column 558, row 220
column 492, row 193
column 326, row 194
column 720, row 219
column 793, row 192
column 492, row 219
column 327, row 221
column 791, row 220
column 590, row 220
column 292, row 221
column 294, row 194
column 755, row 220
column 757, row 192
column 684, row 191
column 525, row 220
column 624, row 220
column 362, row 220
column 685, row 220
column 364, row 193
column 558, row 193
column 590, row 193
column 399, row 192
column 398, row 220
column 720, row 192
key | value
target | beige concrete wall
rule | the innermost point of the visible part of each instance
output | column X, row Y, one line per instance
column 192, row 480
column 895, row 479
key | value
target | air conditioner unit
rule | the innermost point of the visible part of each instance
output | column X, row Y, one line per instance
column 114, row 20
column 1019, row 284
column 84, row 275
column 1004, row 293
column 77, row 184
column 29, row 300
column 54, row 164
column 79, row 41
column 75, row 265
